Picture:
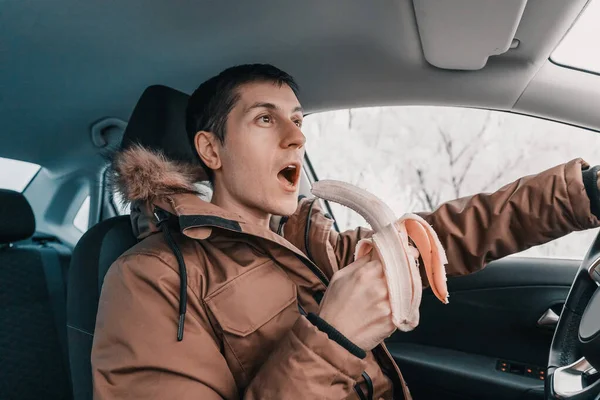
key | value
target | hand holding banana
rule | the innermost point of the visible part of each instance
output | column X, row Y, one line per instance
column 390, row 241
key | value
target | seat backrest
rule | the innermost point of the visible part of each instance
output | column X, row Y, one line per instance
column 157, row 122
column 33, row 351
column 99, row 247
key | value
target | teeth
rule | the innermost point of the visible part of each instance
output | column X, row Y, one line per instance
column 289, row 167
column 289, row 173
column 390, row 238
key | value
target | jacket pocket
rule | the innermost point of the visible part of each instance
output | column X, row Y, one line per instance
column 254, row 310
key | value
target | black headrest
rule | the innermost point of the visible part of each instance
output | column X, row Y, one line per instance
column 17, row 221
column 158, row 122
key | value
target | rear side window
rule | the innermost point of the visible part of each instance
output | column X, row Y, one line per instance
column 81, row 221
column 16, row 175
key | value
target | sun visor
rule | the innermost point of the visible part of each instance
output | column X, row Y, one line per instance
column 463, row 34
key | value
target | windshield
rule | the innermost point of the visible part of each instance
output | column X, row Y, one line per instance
column 15, row 174
column 579, row 48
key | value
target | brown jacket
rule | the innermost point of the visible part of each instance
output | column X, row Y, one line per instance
column 245, row 336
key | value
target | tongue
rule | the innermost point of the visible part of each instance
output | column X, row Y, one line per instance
column 288, row 175
column 282, row 176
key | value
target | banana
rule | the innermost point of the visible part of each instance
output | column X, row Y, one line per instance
column 390, row 240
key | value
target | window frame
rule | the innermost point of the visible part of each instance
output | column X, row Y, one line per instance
column 310, row 172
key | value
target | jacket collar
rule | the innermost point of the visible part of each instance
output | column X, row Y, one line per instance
column 199, row 219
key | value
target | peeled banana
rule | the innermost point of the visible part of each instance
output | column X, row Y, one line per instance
column 390, row 240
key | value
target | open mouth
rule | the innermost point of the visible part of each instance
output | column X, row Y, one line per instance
column 289, row 175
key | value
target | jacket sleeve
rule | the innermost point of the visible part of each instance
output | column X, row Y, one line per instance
column 136, row 353
column 477, row 229
column 530, row 211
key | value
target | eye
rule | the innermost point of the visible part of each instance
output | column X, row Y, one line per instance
column 265, row 120
column 298, row 123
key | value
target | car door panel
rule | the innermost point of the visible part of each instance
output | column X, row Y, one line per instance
column 433, row 372
column 492, row 316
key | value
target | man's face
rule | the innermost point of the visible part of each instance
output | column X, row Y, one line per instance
column 262, row 156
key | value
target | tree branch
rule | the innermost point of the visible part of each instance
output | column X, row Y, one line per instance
column 475, row 139
column 447, row 142
column 461, row 179
column 502, row 171
column 431, row 199
column 350, row 119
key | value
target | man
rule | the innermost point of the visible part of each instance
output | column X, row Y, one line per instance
column 220, row 306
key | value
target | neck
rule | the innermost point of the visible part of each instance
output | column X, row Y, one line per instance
column 226, row 201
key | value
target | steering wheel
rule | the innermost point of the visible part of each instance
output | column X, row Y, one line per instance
column 574, row 359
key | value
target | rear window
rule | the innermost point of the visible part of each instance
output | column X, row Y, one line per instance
column 15, row 174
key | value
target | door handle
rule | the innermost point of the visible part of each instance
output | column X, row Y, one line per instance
column 548, row 320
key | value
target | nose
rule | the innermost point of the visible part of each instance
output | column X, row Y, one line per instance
column 292, row 136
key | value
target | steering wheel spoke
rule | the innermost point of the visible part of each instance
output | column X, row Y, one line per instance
column 569, row 382
column 594, row 271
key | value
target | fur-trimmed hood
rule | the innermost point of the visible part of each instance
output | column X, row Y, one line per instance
column 141, row 175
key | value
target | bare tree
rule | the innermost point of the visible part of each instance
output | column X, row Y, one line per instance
column 458, row 155
column 464, row 155
column 507, row 166
column 429, row 199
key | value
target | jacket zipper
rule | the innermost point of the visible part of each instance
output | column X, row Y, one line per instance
column 314, row 269
column 405, row 391
column 312, row 266
column 307, row 228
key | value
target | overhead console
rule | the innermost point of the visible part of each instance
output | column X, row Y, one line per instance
column 463, row 34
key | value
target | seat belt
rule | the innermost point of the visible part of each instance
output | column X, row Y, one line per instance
column 55, row 284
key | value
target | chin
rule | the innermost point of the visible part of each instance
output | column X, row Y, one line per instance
column 285, row 207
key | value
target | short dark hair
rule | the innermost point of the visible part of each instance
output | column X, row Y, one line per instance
column 210, row 104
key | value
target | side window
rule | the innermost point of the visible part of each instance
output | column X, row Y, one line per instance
column 16, row 175
column 416, row 157
column 82, row 218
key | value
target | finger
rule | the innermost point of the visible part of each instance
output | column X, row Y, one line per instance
column 363, row 248
column 374, row 270
column 351, row 268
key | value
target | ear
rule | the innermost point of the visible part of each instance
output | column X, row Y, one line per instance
column 208, row 148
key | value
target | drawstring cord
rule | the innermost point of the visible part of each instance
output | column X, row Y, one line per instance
column 162, row 218
column 369, row 383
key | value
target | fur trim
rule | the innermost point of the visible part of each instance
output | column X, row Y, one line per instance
column 141, row 174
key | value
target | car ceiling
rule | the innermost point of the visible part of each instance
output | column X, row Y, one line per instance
column 66, row 64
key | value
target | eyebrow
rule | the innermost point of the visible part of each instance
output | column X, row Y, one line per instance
column 271, row 106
